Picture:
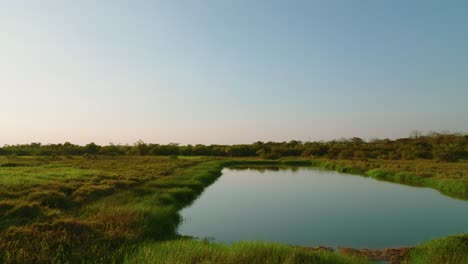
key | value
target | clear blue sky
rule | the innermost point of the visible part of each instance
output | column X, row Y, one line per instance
column 227, row 72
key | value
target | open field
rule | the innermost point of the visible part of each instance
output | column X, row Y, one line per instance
column 124, row 209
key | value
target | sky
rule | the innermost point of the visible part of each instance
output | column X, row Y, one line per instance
column 230, row 71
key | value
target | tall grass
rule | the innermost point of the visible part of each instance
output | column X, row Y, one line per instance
column 453, row 250
column 449, row 178
column 87, row 216
column 192, row 251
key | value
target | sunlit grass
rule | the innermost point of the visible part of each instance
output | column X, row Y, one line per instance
column 453, row 249
column 107, row 209
column 45, row 174
column 191, row 251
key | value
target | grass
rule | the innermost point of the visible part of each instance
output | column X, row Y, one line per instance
column 453, row 249
column 191, row 251
column 125, row 209
column 107, row 203
column 450, row 178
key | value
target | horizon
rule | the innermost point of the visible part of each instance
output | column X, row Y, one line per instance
column 233, row 72
column 413, row 134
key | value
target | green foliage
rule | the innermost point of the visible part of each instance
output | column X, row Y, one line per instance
column 443, row 147
column 191, row 251
column 141, row 148
column 91, row 148
column 453, row 250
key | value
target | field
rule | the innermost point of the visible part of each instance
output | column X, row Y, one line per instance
column 124, row 209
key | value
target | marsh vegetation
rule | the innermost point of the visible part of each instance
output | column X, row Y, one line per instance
column 106, row 207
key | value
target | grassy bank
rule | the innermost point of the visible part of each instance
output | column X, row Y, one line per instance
column 125, row 209
column 192, row 251
column 453, row 249
column 450, row 178
column 83, row 209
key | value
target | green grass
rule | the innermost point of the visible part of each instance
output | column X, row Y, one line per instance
column 453, row 249
column 108, row 202
column 125, row 209
column 450, row 178
column 191, row 251
column 29, row 176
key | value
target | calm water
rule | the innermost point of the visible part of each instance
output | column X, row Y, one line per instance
column 310, row 206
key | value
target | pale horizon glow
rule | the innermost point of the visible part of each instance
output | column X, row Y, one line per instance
column 229, row 72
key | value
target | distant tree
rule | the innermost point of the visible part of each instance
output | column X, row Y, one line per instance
column 346, row 154
column 112, row 150
column 435, row 145
column 141, row 148
column 448, row 152
column 415, row 134
column 200, row 150
column 91, row 148
column 357, row 141
column 359, row 154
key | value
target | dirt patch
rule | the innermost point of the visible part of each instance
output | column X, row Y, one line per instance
column 392, row 255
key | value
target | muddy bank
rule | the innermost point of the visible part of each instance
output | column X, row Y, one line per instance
column 392, row 255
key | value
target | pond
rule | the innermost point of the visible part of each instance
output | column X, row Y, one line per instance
column 312, row 207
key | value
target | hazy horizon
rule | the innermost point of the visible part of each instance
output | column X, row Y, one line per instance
column 370, row 139
column 229, row 72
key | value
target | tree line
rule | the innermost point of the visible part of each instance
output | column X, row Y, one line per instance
column 440, row 146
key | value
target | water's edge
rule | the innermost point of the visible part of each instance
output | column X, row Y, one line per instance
column 393, row 255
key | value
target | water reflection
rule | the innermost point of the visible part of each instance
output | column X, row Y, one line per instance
column 309, row 206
